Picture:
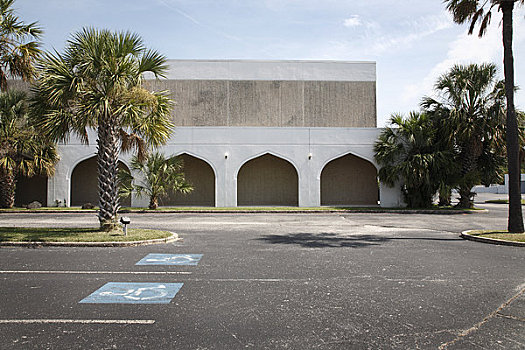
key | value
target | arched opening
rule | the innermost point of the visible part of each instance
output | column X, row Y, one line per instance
column 267, row 180
column 30, row 189
column 349, row 180
column 202, row 177
column 84, row 183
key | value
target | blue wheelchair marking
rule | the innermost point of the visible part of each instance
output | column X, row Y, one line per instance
column 133, row 293
column 170, row 259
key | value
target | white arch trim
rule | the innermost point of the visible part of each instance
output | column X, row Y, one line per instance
column 273, row 154
column 342, row 155
column 198, row 157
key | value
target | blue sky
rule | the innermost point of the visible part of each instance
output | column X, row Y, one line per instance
column 412, row 41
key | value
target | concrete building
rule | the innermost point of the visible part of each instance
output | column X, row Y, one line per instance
column 280, row 133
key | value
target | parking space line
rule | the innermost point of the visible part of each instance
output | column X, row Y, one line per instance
column 29, row 321
column 96, row 272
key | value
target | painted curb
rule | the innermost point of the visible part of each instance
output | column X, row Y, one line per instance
column 468, row 236
column 174, row 237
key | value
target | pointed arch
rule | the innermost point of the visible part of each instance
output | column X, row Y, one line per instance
column 84, row 182
column 275, row 154
column 267, row 179
column 201, row 174
column 349, row 179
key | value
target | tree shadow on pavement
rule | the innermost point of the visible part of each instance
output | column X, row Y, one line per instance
column 333, row 240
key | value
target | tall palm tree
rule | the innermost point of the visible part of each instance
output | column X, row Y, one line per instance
column 406, row 152
column 23, row 149
column 479, row 12
column 97, row 83
column 19, row 45
column 161, row 176
column 471, row 112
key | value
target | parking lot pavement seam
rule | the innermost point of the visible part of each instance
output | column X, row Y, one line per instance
column 30, row 321
column 522, row 319
column 478, row 325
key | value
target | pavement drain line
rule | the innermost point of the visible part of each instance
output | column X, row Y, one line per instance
column 30, row 321
column 493, row 314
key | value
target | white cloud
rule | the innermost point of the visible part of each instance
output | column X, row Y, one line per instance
column 412, row 32
column 352, row 21
column 465, row 49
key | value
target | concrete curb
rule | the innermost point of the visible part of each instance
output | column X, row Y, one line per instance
column 174, row 237
column 467, row 235
column 357, row 211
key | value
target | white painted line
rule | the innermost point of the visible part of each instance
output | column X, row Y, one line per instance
column 243, row 280
column 97, row 272
column 79, row 321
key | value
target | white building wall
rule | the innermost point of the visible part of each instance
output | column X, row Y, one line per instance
column 226, row 149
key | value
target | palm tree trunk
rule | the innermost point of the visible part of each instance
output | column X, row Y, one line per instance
column 466, row 197
column 108, row 151
column 515, row 223
column 7, row 189
column 153, row 203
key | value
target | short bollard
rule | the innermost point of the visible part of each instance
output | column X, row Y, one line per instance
column 125, row 221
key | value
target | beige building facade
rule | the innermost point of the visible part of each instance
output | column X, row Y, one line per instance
column 257, row 133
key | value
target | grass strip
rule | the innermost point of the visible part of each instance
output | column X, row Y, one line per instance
column 31, row 234
column 501, row 201
column 503, row 235
column 245, row 209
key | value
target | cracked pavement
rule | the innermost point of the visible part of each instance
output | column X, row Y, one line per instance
column 276, row 281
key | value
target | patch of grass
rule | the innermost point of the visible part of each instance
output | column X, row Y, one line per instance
column 324, row 208
column 501, row 201
column 244, row 209
column 65, row 209
column 503, row 235
column 27, row 234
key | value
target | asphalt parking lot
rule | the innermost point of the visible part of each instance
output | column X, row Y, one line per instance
column 269, row 281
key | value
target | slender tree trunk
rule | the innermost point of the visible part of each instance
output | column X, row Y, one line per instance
column 7, row 189
column 445, row 194
column 466, row 197
column 108, row 151
column 515, row 223
column 153, row 203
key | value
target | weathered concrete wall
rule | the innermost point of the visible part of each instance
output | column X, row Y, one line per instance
column 271, row 103
column 349, row 180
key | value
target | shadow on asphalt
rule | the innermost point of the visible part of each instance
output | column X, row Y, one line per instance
column 332, row 240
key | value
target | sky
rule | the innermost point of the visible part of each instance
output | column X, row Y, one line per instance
column 413, row 42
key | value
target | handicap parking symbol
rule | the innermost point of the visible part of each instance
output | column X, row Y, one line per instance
column 170, row 259
column 133, row 293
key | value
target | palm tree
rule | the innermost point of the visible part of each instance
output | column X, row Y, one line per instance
column 480, row 12
column 19, row 45
column 406, row 152
column 470, row 113
column 97, row 84
column 161, row 176
column 23, row 150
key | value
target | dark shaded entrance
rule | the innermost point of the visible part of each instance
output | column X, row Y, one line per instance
column 84, row 185
column 202, row 177
column 29, row 189
column 267, row 180
column 349, row 180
